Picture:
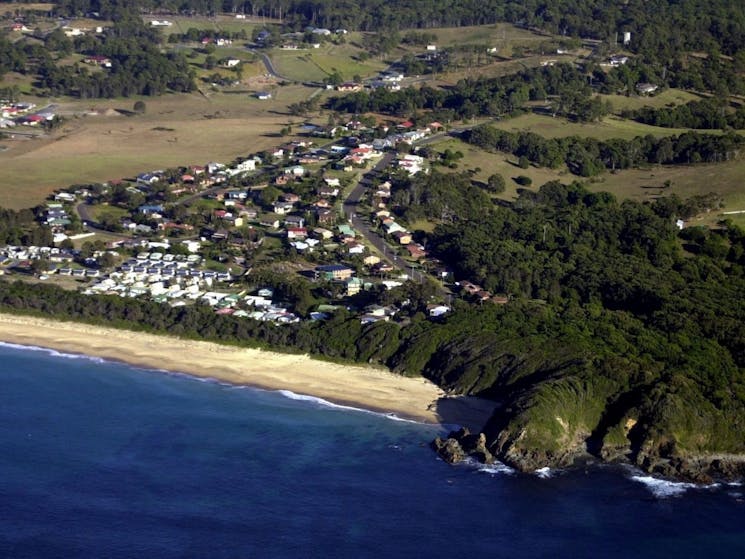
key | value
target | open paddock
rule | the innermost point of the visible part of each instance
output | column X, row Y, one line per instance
column 608, row 128
column 31, row 7
column 490, row 163
column 726, row 179
column 175, row 130
column 663, row 99
column 222, row 22
column 501, row 36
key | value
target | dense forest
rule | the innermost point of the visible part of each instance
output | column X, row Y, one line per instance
column 706, row 113
column 587, row 157
column 664, row 27
column 616, row 319
column 495, row 97
column 22, row 228
column 138, row 67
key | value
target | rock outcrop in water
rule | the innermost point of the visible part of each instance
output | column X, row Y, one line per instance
column 515, row 449
column 462, row 444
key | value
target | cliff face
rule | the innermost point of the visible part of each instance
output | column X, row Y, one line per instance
column 557, row 407
column 559, row 428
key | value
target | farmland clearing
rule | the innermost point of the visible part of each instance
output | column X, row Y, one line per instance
column 106, row 144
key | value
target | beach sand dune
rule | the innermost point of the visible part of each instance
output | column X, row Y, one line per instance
column 356, row 385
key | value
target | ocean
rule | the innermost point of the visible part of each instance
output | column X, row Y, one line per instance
column 104, row 460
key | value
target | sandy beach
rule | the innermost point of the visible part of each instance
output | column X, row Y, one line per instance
column 360, row 386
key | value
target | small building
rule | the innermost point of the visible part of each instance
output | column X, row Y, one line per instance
column 332, row 272
column 349, row 86
column 294, row 221
column 646, row 88
column 402, row 237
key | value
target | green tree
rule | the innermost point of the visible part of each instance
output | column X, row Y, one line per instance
column 496, row 183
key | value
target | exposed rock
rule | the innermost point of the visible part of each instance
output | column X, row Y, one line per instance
column 461, row 444
column 449, row 450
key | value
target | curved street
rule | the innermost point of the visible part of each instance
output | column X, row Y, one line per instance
column 269, row 65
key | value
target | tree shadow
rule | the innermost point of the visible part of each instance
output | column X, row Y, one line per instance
column 467, row 411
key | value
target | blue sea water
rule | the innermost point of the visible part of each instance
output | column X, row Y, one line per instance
column 100, row 459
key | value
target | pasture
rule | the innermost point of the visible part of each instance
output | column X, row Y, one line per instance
column 176, row 130
column 726, row 179
column 488, row 163
column 316, row 64
column 663, row 99
column 609, row 127
column 502, row 36
column 31, row 6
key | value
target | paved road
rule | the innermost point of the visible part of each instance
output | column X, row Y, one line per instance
column 351, row 204
column 268, row 65
column 84, row 211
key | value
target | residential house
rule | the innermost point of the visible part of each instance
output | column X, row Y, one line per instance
column 296, row 171
column 296, row 233
column 402, row 237
column 328, row 191
column 436, row 311
column 349, row 86
column 333, row 272
column 323, row 234
column 290, row 197
column 356, row 248
column 352, row 286
column 416, row 251
column 294, row 221
column 325, row 216
column 646, row 88
column 151, row 209
column 98, row 60
column 282, row 208
column 270, row 220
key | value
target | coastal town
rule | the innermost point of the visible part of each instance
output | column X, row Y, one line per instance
column 195, row 234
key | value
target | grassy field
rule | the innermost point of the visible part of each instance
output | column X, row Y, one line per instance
column 726, row 179
column 609, row 127
column 176, row 130
column 501, row 163
column 667, row 97
column 33, row 6
column 317, row 64
column 181, row 24
column 297, row 65
column 502, row 36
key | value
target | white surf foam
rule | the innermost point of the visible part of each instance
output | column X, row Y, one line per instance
column 663, row 488
column 53, row 352
column 327, row 404
column 544, row 473
column 496, row 469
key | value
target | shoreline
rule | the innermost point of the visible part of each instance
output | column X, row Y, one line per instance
column 359, row 386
